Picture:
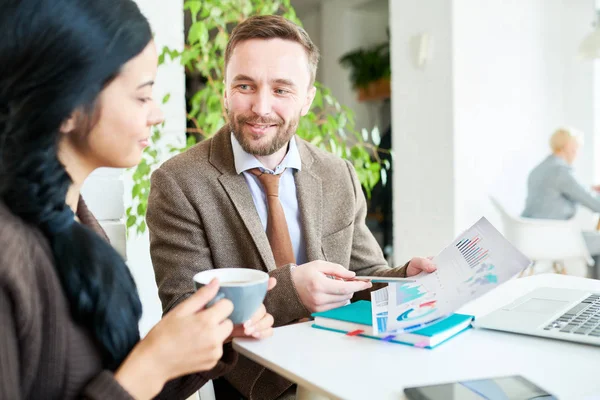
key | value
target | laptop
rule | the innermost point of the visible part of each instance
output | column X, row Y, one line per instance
column 564, row 314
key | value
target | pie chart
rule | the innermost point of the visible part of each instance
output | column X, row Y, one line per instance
column 423, row 310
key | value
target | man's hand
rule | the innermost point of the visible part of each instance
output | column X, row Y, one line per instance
column 418, row 264
column 318, row 291
column 596, row 188
column 259, row 326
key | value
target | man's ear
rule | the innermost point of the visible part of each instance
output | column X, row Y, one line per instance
column 225, row 102
column 310, row 96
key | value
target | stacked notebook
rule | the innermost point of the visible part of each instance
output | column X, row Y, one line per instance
column 357, row 317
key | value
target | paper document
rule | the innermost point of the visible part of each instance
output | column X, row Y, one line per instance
column 474, row 263
column 379, row 310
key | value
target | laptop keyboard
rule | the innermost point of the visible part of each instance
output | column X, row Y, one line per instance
column 583, row 319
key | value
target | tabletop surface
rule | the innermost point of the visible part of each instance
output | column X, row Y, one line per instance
column 346, row 367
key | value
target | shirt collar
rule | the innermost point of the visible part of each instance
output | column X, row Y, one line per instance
column 244, row 161
column 560, row 161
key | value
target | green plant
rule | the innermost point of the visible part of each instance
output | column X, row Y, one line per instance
column 328, row 125
column 367, row 65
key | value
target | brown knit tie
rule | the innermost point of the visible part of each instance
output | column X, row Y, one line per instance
column 277, row 229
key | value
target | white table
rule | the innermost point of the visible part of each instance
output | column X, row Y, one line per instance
column 332, row 365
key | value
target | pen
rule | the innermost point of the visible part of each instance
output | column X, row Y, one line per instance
column 373, row 279
column 381, row 279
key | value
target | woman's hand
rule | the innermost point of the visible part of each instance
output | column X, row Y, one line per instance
column 188, row 339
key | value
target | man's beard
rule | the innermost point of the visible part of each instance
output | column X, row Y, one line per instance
column 282, row 136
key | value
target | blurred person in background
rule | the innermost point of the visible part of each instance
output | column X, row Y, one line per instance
column 553, row 192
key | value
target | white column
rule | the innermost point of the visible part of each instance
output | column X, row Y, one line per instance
column 422, row 126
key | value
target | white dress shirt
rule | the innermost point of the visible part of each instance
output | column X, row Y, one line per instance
column 287, row 190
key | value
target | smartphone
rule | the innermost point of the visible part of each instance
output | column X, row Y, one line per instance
column 503, row 388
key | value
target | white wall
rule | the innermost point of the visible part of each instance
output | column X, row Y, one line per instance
column 477, row 118
column 508, row 78
column 106, row 191
column 311, row 22
column 516, row 80
column 579, row 84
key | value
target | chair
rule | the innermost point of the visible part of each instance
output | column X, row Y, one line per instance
column 206, row 392
column 545, row 240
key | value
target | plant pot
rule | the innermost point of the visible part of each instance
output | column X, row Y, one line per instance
column 380, row 89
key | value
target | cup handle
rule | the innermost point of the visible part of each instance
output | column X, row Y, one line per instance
column 211, row 303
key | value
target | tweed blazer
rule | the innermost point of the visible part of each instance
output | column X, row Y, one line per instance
column 44, row 352
column 201, row 216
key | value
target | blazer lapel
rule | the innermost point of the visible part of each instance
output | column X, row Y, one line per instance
column 221, row 156
column 310, row 201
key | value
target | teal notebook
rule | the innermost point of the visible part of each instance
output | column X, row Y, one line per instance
column 357, row 316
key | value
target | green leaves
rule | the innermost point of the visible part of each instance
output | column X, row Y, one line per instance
column 221, row 40
column 194, row 6
column 375, row 136
column 198, row 33
column 328, row 125
column 131, row 221
column 167, row 53
column 368, row 65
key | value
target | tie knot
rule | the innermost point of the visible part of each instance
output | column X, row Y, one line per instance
column 269, row 181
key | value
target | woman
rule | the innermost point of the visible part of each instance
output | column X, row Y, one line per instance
column 76, row 94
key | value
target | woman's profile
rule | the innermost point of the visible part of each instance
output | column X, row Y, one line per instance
column 76, row 94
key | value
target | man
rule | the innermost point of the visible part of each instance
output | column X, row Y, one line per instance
column 256, row 196
column 553, row 192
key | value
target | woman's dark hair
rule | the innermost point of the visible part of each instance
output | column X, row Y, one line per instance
column 56, row 56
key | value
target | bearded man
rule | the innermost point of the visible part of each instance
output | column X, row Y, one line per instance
column 256, row 196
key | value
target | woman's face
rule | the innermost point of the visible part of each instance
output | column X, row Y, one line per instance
column 127, row 112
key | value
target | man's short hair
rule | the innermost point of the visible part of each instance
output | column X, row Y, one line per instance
column 274, row 27
column 562, row 136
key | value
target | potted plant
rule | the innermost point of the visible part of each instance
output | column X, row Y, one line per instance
column 370, row 71
column 328, row 125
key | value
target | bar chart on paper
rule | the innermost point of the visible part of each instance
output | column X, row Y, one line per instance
column 475, row 262
column 472, row 251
